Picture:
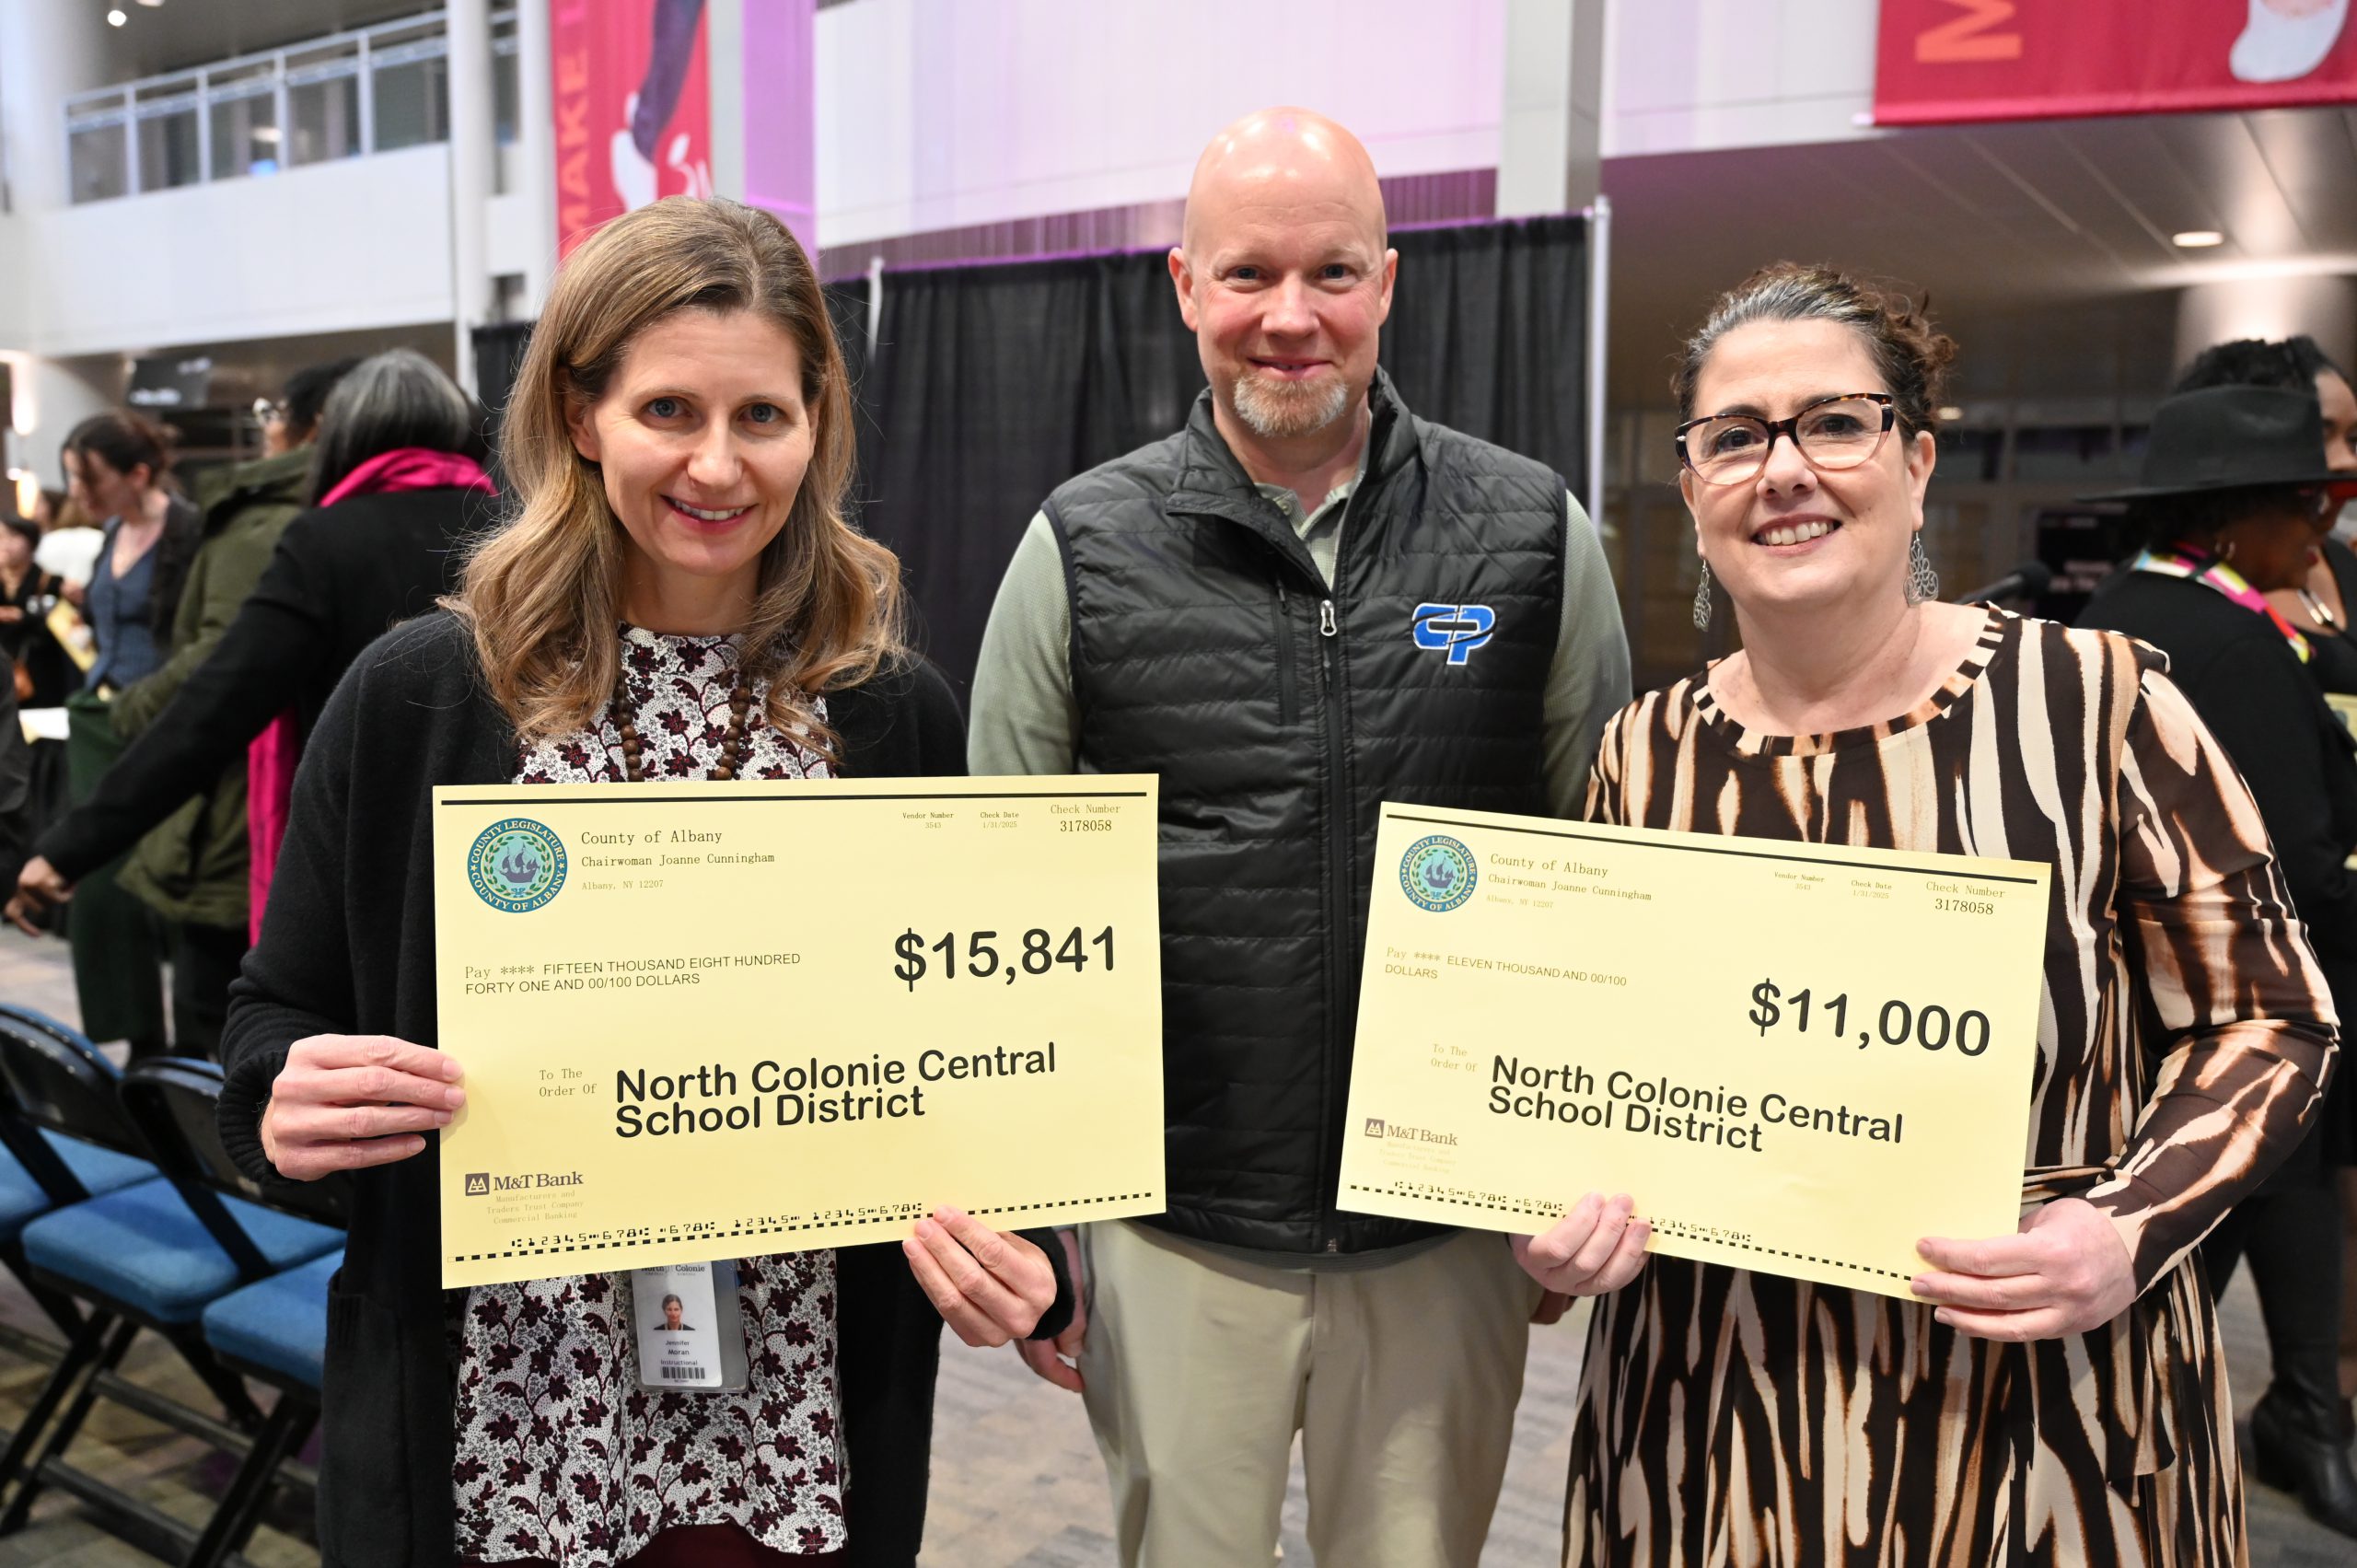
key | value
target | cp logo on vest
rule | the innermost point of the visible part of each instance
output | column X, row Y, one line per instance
column 1459, row 628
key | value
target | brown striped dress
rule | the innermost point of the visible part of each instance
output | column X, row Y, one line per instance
column 1728, row 1417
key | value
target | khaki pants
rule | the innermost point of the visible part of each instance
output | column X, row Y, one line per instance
column 1401, row 1380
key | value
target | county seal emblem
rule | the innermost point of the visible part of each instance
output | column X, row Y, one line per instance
column 517, row 865
column 1437, row 873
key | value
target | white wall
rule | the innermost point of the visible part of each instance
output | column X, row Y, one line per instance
column 939, row 114
column 364, row 242
column 1691, row 76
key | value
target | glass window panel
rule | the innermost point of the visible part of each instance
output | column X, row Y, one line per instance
column 245, row 136
column 325, row 120
column 167, row 150
column 412, row 104
column 96, row 156
column 506, row 97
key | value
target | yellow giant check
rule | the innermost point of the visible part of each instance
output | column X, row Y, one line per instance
column 713, row 1020
column 1795, row 1058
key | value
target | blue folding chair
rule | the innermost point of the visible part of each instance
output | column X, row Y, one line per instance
column 153, row 1255
column 274, row 1330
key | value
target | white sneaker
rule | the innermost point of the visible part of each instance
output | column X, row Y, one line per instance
column 635, row 176
column 2281, row 47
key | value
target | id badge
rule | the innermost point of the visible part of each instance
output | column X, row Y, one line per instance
column 691, row 1326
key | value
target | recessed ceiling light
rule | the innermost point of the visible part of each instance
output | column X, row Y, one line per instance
column 151, row 4
column 115, row 18
column 2197, row 238
column 1951, row 412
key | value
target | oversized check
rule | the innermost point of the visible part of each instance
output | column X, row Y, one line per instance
column 1794, row 1058
column 706, row 1020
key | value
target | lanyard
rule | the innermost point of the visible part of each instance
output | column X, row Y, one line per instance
column 2183, row 561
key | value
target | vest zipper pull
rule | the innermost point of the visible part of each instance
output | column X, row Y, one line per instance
column 1325, row 627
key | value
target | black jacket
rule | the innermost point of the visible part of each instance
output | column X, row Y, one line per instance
column 1281, row 712
column 339, row 579
column 348, row 947
column 2266, row 708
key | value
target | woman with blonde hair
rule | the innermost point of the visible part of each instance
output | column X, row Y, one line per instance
column 677, row 596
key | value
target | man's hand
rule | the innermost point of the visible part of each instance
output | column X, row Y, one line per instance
column 343, row 1102
column 2067, row 1271
column 1058, row 1360
column 39, row 890
column 990, row 1285
column 1595, row 1249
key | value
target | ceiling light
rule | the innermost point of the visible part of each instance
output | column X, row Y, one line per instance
column 1951, row 412
column 115, row 18
column 151, row 4
column 2197, row 238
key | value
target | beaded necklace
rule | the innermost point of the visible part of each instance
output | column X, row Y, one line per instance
column 732, row 740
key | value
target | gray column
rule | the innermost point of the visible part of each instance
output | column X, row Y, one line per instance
column 1550, row 134
column 536, row 145
column 468, row 25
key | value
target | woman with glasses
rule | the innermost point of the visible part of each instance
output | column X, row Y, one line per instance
column 2237, row 497
column 2057, row 1395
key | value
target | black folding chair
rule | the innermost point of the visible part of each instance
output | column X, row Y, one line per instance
column 273, row 1331
column 153, row 1255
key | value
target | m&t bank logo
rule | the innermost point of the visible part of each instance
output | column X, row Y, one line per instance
column 1456, row 629
column 478, row 1184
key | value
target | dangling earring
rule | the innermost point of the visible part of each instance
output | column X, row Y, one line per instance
column 1702, row 600
column 1922, row 582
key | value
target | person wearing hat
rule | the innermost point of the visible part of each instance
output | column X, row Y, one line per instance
column 2234, row 500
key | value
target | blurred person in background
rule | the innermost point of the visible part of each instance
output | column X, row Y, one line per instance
column 69, row 543
column 118, row 465
column 190, row 869
column 397, row 473
column 42, row 674
column 2238, row 493
column 2319, row 608
column 116, row 468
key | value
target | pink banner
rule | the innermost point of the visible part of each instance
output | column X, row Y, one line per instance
column 1948, row 61
column 633, row 103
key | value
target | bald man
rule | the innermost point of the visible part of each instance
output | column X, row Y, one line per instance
column 1306, row 603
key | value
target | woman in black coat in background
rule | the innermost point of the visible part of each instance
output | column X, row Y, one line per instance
column 2236, row 496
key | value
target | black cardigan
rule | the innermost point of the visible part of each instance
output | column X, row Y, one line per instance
column 337, row 581
column 348, row 947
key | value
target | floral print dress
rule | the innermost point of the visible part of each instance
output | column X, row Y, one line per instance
column 562, row 1456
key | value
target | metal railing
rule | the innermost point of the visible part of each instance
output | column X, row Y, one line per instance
column 347, row 95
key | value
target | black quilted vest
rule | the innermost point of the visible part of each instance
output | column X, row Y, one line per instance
column 1279, row 713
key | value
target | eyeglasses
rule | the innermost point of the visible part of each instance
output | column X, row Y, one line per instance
column 1833, row 433
column 267, row 411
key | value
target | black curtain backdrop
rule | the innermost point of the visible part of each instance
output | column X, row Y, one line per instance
column 988, row 385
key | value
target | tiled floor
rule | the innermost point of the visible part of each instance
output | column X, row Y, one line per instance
column 1016, row 1482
